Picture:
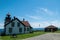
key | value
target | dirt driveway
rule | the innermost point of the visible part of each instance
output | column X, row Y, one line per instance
column 48, row 36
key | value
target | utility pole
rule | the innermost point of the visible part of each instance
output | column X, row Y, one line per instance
column 39, row 25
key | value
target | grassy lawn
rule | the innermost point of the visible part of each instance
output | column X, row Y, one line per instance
column 57, row 31
column 22, row 36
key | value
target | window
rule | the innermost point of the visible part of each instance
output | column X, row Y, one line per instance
column 18, row 24
column 27, row 29
column 12, row 24
column 10, row 30
column 24, row 29
column 20, row 29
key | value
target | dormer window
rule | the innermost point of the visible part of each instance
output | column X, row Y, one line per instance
column 12, row 24
column 18, row 24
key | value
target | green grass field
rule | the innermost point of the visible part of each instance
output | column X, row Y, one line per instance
column 22, row 36
column 57, row 31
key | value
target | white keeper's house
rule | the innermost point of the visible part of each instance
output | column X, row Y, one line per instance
column 15, row 26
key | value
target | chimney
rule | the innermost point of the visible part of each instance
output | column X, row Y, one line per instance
column 23, row 19
column 14, row 17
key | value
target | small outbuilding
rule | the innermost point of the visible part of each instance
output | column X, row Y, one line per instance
column 51, row 28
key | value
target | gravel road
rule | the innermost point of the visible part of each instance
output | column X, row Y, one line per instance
column 48, row 36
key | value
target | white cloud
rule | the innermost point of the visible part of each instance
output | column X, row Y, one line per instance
column 56, row 23
column 39, row 24
column 34, row 17
column 1, row 25
column 45, row 11
column 35, row 24
column 45, row 24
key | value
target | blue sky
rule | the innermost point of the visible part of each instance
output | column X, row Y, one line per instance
column 43, row 12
